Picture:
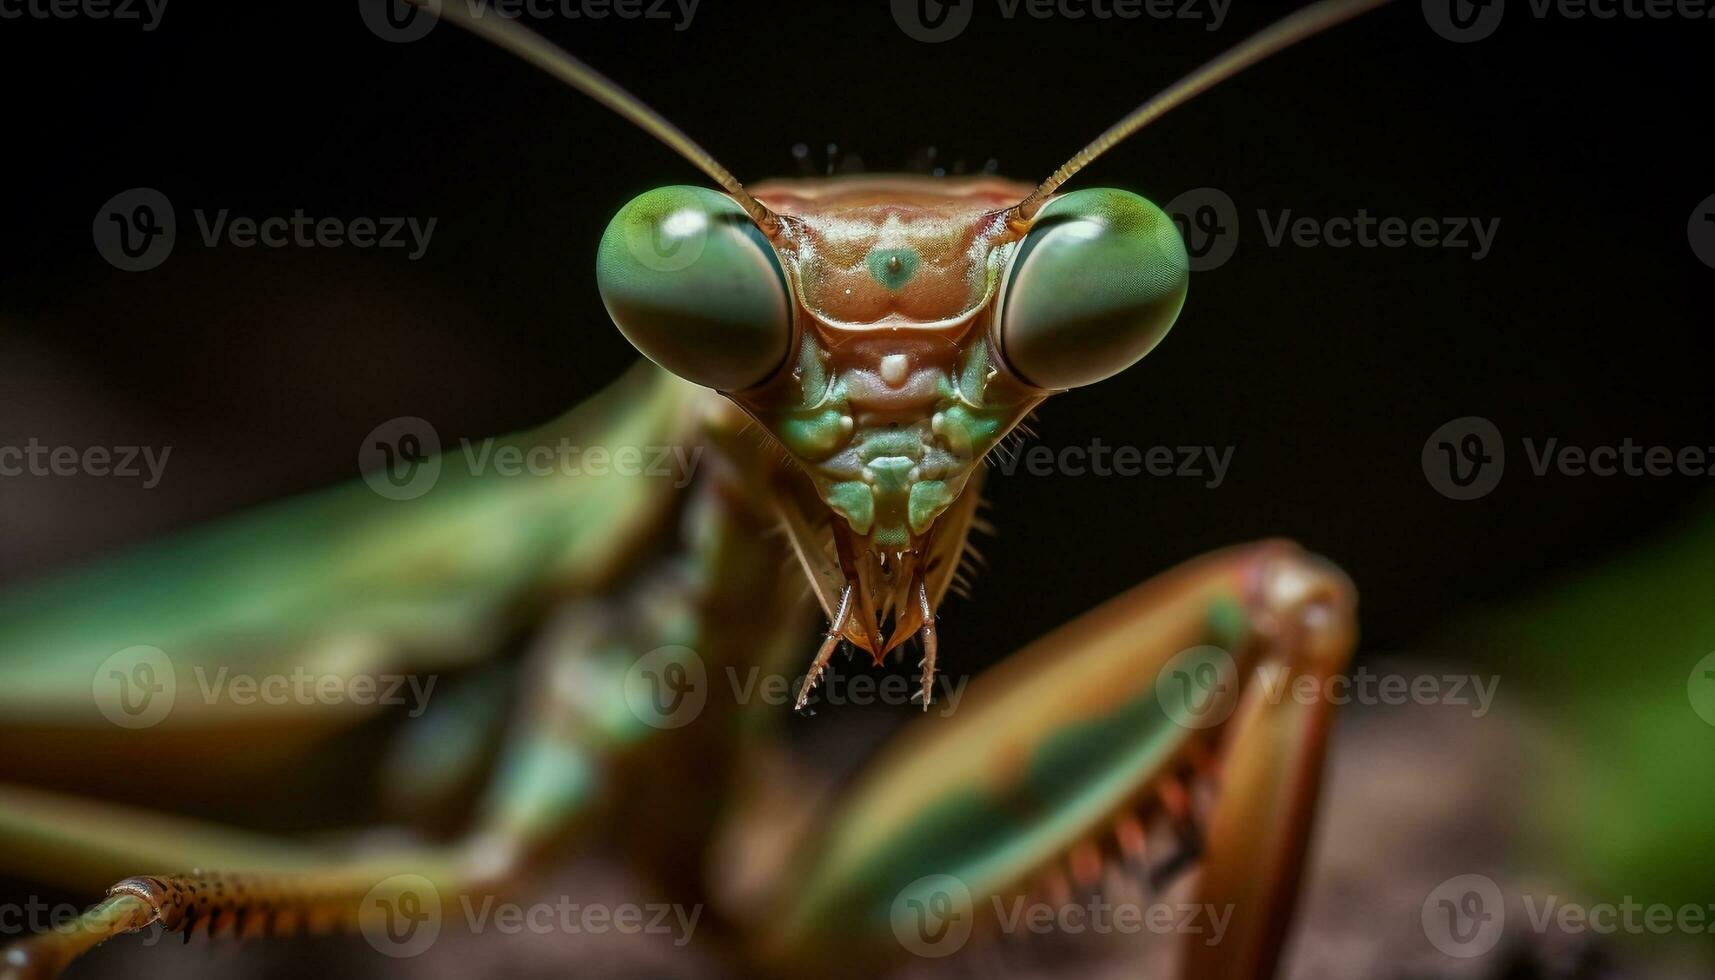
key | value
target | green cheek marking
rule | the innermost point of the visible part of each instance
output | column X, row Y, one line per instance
column 928, row 499
column 815, row 437
column 968, row 433
column 892, row 267
column 852, row 499
column 891, row 442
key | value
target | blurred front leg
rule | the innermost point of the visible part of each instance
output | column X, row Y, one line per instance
column 1097, row 746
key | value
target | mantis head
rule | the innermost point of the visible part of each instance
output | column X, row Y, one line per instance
column 889, row 332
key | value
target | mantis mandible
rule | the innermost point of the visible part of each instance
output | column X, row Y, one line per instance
column 847, row 350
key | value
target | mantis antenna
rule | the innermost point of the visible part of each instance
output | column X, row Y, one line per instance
column 1279, row 36
column 509, row 35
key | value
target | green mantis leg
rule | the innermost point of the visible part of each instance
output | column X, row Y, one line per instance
column 1144, row 734
column 551, row 774
column 278, row 889
column 578, row 727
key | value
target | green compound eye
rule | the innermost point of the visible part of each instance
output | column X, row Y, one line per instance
column 1095, row 285
column 695, row 287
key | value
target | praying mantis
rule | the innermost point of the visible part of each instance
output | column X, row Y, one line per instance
column 842, row 354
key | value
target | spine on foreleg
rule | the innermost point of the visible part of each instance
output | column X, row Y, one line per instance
column 246, row 905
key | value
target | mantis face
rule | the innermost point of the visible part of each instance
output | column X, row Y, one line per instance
column 889, row 332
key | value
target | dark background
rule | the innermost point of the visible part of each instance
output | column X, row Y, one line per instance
column 1325, row 368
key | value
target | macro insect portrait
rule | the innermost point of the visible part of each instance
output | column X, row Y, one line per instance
column 1025, row 488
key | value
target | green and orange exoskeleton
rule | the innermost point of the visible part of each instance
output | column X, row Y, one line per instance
column 883, row 334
